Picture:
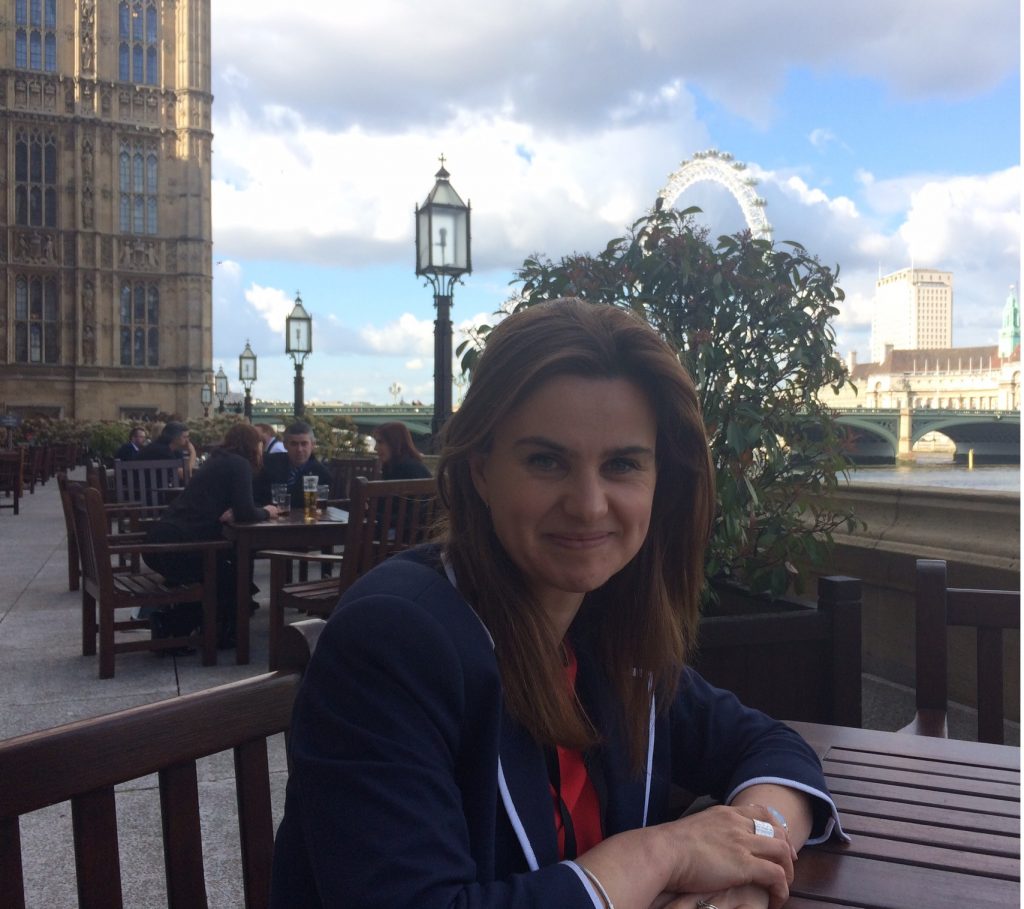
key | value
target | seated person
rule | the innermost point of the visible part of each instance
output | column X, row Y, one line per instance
column 271, row 443
column 173, row 442
column 399, row 459
column 132, row 449
column 220, row 492
column 497, row 720
column 297, row 461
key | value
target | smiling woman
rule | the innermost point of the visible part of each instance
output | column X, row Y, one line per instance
column 496, row 720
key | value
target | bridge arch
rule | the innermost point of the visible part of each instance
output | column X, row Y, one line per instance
column 722, row 168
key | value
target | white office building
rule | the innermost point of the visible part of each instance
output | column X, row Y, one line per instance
column 913, row 311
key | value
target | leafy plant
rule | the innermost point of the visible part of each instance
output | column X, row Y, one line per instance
column 751, row 322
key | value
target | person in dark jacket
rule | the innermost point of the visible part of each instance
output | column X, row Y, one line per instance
column 173, row 442
column 132, row 449
column 289, row 468
column 498, row 720
column 399, row 459
column 220, row 491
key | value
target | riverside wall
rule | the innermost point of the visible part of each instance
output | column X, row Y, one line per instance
column 977, row 533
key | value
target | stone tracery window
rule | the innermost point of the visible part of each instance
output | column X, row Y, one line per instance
column 140, row 324
column 35, row 35
column 36, row 319
column 138, row 177
column 138, row 33
column 35, row 179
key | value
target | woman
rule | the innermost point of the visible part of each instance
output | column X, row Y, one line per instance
column 399, row 459
column 496, row 721
column 221, row 491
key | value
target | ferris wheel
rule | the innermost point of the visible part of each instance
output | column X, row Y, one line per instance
column 722, row 168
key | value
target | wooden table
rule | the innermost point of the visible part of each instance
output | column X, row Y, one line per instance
column 935, row 824
column 288, row 532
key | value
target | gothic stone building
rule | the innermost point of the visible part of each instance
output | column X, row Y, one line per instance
column 105, row 238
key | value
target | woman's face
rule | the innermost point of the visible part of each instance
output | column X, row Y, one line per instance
column 569, row 482
column 383, row 451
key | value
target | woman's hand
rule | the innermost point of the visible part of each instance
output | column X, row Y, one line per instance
column 228, row 516
column 717, row 849
column 272, row 511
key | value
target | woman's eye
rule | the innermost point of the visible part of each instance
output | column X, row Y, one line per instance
column 622, row 465
column 542, row 461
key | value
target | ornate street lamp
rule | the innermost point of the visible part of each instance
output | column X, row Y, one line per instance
column 206, row 396
column 298, row 344
column 442, row 257
column 247, row 375
column 220, row 384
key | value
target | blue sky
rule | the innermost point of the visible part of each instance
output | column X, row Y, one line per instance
column 880, row 134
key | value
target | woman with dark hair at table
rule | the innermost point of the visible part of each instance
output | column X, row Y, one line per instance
column 220, row 491
column 399, row 459
column 498, row 720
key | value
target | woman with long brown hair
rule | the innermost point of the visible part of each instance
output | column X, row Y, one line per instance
column 497, row 720
column 399, row 459
column 220, row 490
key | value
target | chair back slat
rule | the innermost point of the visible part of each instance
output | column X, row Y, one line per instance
column 252, row 781
column 97, row 864
column 84, row 536
column 63, row 486
column 141, row 482
column 183, row 837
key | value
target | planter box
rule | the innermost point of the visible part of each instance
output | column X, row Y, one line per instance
column 792, row 658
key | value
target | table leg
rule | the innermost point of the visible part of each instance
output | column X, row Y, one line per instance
column 243, row 596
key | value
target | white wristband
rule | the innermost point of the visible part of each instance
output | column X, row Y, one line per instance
column 599, row 887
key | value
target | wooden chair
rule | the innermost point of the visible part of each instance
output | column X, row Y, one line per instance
column 344, row 470
column 142, row 482
column 34, row 467
column 106, row 590
column 100, row 479
column 82, row 762
column 12, row 478
column 385, row 517
column 938, row 607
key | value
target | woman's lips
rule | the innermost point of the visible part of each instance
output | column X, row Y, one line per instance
column 579, row 540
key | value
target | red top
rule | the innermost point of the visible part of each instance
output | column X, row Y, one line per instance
column 576, row 790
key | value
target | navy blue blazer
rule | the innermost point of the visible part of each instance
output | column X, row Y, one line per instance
column 410, row 786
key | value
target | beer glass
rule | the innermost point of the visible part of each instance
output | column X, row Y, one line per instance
column 309, row 498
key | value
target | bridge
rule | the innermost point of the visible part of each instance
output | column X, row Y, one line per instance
column 876, row 435
column 885, row 435
column 366, row 416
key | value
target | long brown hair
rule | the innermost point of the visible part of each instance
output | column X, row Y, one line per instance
column 243, row 439
column 645, row 617
column 399, row 440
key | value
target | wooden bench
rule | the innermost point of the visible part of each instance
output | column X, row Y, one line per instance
column 82, row 762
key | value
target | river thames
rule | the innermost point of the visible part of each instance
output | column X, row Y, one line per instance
column 938, row 470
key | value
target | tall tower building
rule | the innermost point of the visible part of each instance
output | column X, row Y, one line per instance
column 105, row 234
column 913, row 311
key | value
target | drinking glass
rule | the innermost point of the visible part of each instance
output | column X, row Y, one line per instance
column 309, row 485
column 322, row 495
column 281, row 497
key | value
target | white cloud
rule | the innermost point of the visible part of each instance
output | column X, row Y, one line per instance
column 408, row 335
column 272, row 304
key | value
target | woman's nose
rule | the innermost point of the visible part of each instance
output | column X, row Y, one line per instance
column 585, row 497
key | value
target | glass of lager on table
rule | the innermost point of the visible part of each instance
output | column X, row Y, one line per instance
column 309, row 498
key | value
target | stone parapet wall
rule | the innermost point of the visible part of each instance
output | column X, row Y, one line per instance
column 977, row 533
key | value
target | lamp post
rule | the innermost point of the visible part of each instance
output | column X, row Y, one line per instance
column 247, row 375
column 220, row 384
column 442, row 257
column 298, row 344
column 206, row 396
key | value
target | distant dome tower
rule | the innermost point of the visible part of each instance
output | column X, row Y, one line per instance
column 1009, row 334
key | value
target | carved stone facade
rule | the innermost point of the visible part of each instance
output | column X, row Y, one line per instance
column 105, row 269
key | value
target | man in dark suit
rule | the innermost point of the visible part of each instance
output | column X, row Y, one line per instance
column 297, row 461
column 173, row 442
column 133, row 447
